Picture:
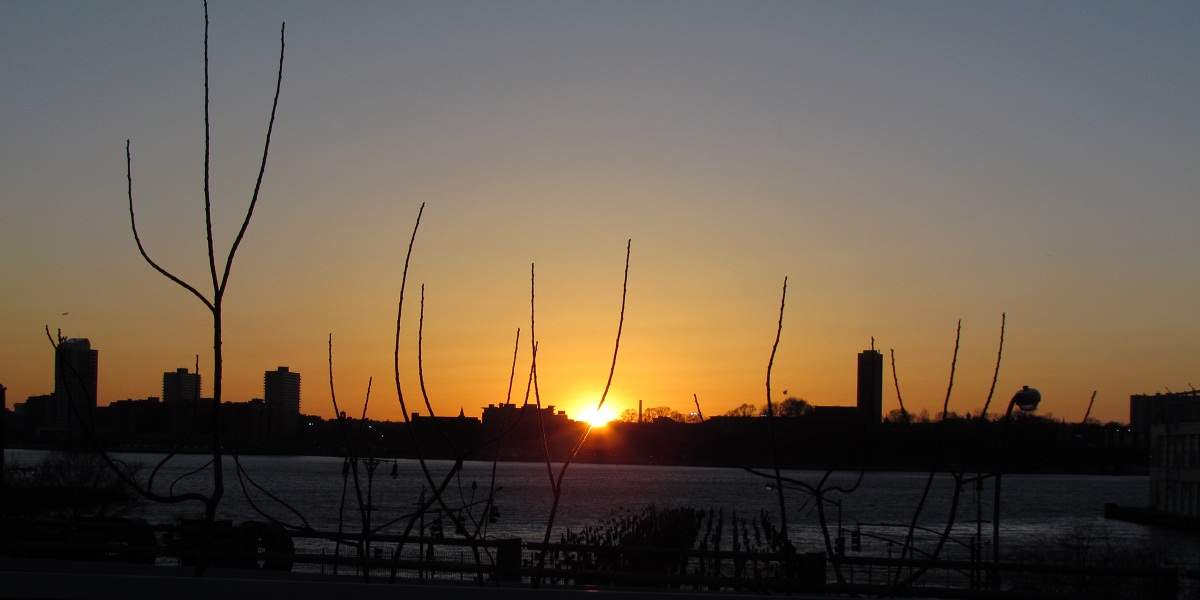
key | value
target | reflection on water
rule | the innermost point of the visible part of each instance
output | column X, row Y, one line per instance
column 1035, row 508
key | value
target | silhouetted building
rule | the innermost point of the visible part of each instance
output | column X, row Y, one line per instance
column 498, row 418
column 1175, row 453
column 1146, row 411
column 245, row 424
column 181, row 396
column 125, row 418
column 36, row 413
column 518, row 431
column 281, row 393
column 870, row 385
column 180, row 386
column 837, row 417
column 438, row 436
column 76, row 374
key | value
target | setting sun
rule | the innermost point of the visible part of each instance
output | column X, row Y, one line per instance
column 598, row 418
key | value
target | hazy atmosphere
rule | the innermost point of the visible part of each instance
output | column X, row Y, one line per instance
column 905, row 164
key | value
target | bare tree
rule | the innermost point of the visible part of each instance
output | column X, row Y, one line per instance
column 220, row 280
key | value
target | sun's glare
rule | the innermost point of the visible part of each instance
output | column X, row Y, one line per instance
column 599, row 418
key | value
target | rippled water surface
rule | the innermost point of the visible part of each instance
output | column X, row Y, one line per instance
column 1036, row 509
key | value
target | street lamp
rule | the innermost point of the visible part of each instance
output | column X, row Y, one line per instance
column 1027, row 400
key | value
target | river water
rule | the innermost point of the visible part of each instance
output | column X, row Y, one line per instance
column 1037, row 511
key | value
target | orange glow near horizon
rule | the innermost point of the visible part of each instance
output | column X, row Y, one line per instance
column 598, row 417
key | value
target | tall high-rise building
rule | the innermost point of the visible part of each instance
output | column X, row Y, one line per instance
column 281, row 394
column 76, row 374
column 870, row 385
column 180, row 386
column 181, row 396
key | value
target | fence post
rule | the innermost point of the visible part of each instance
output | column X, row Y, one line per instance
column 508, row 560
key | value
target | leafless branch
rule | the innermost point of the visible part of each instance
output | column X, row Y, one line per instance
column 421, row 376
column 90, row 438
column 137, row 238
column 352, row 456
column 437, row 495
column 556, row 484
column 208, row 228
column 262, row 167
column 953, row 365
column 996, row 373
column 771, row 413
column 896, row 381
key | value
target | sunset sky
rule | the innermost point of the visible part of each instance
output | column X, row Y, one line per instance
column 905, row 164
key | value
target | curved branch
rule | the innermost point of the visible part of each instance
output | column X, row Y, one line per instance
column 562, row 472
column 243, row 476
column 491, row 497
column 996, row 373
column 89, row 434
column 138, row 239
column 421, row 377
column 896, row 381
column 953, row 366
column 171, row 488
column 771, row 414
column 157, row 468
column 351, row 454
column 1088, row 413
column 262, row 167
column 208, row 228
column 437, row 497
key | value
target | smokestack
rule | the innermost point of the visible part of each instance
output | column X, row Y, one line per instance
column 639, row 410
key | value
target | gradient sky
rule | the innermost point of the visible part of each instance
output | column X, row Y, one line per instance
column 906, row 164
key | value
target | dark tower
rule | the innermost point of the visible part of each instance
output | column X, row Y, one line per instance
column 76, row 373
column 181, row 396
column 870, row 385
column 281, row 393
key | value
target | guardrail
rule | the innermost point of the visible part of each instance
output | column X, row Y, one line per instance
column 262, row 546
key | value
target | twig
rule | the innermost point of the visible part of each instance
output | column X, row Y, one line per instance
column 90, row 437
column 262, row 167
column 421, row 376
column 908, row 539
column 1089, row 408
column 557, row 484
column 996, row 373
column 171, row 488
column 953, row 365
column 896, row 381
column 352, row 455
column 771, row 414
column 437, row 495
